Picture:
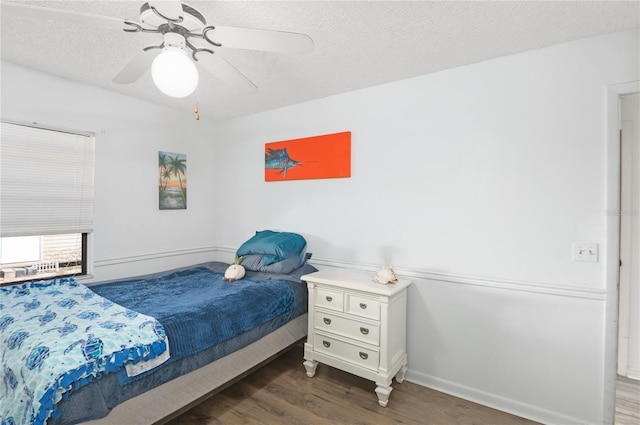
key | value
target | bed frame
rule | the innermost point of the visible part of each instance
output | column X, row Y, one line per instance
column 171, row 399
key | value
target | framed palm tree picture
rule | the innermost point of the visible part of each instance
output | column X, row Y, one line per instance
column 172, row 183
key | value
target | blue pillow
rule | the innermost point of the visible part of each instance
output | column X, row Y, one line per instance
column 274, row 246
column 254, row 262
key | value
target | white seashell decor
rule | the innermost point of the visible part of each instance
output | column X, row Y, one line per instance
column 385, row 275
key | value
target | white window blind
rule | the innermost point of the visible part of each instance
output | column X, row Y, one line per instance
column 46, row 180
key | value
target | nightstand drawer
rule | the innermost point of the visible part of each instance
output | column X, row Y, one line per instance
column 344, row 351
column 348, row 327
column 363, row 306
column 332, row 300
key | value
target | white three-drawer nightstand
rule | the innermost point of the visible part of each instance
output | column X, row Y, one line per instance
column 357, row 325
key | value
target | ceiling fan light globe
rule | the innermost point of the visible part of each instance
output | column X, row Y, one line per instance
column 174, row 73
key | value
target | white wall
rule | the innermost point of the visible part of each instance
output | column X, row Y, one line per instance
column 474, row 181
column 491, row 170
column 131, row 235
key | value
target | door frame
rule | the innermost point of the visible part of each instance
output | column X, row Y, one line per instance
column 612, row 243
column 626, row 306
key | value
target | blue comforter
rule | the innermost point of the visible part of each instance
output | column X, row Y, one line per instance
column 198, row 309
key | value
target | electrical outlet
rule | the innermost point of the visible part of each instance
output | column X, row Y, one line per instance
column 585, row 251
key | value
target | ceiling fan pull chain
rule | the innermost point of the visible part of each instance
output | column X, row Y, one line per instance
column 195, row 110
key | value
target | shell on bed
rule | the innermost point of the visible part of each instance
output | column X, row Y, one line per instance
column 234, row 272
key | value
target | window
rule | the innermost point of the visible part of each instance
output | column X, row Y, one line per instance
column 46, row 201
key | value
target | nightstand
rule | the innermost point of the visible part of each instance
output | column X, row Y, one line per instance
column 357, row 325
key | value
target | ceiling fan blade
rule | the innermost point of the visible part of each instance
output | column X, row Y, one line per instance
column 24, row 10
column 169, row 9
column 136, row 67
column 257, row 39
column 225, row 72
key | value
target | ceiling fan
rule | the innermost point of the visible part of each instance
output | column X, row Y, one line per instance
column 187, row 40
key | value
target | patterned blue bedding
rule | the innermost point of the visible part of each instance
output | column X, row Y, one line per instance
column 56, row 337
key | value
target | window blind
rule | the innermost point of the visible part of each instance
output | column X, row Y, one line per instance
column 46, row 180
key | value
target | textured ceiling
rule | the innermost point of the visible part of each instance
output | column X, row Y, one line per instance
column 357, row 44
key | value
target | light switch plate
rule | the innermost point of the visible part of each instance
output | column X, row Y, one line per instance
column 585, row 251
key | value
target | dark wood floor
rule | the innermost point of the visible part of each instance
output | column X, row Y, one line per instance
column 281, row 393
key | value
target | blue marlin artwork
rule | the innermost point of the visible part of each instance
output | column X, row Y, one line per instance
column 279, row 159
column 317, row 157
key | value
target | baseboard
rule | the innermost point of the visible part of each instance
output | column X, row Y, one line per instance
column 493, row 401
column 633, row 373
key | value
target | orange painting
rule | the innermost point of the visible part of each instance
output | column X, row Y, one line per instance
column 318, row 157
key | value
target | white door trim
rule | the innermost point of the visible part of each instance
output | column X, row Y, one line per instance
column 628, row 308
column 612, row 244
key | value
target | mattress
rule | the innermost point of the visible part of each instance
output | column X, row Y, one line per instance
column 169, row 400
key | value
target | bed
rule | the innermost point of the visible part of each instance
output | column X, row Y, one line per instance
column 215, row 332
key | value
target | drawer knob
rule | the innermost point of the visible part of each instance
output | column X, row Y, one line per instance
column 326, row 321
column 364, row 356
column 329, row 299
column 326, row 344
column 363, row 306
column 364, row 331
